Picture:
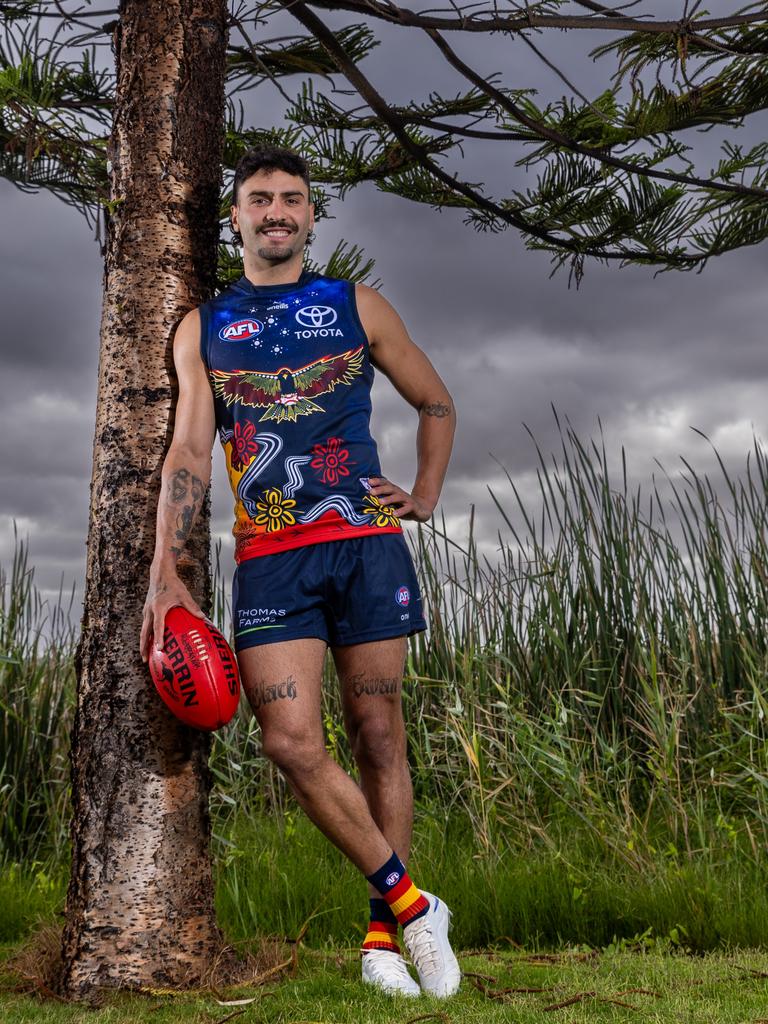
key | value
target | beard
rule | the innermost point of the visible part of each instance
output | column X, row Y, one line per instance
column 277, row 253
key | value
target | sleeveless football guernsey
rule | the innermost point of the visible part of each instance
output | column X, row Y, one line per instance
column 291, row 377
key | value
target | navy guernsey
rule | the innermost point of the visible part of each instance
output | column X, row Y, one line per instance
column 291, row 377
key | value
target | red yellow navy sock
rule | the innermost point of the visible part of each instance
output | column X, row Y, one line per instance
column 404, row 899
column 382, row 928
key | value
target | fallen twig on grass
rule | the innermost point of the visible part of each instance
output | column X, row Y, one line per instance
column 32, row 987
column 581, row 996
column 499, row 994
column 578, row 998
column 482, row 977
column 437, row 1015
column 751, row 971
column 230, row 1016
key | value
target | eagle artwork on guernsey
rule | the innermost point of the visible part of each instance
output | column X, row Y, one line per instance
column 287, row 394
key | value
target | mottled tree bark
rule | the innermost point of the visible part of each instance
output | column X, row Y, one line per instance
column 140, row 901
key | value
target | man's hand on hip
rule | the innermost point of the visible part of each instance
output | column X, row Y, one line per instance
column 407, row 506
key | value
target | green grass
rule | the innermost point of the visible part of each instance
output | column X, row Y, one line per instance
column 587, row 723
column 273, row 875
column 28, row 895
column 276, row 875
column 613, row 986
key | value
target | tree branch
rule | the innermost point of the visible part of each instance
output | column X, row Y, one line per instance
column 563, row 142
column 395, row 15
column 578, row 248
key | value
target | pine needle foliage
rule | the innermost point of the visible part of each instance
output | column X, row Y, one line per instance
column 617, row 177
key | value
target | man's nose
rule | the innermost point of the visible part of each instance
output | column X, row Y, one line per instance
column 275, row 210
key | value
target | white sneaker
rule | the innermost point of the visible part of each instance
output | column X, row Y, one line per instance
column 387, row 970
column 426, row 939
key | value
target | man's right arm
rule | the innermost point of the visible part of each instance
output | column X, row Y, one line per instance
column 185, row 477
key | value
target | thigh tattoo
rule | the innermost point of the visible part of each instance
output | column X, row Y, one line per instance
column 361, row 685
column 267, row 693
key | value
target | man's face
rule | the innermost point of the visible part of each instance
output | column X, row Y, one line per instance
column 273, row 215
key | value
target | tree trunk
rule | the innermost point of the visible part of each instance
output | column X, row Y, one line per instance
column 140, row 902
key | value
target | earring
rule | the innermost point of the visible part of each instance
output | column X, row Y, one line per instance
column 310, row 238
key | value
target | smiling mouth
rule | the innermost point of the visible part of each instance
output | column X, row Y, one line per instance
column 278, row 234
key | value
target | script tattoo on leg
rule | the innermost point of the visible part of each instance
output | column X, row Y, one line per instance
column 439, row 409
column 186, row 494
column 284, row 690
column 373, row 686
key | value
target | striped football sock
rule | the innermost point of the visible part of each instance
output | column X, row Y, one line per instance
column 404, row 899
column 382, row 929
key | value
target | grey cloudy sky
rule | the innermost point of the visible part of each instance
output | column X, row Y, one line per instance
column 650, row 357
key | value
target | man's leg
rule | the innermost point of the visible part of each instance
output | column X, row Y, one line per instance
column 371, row 681
column 371, row 677
column 282, row 682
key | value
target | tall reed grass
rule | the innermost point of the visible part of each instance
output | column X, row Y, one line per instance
column 605, row 673
column 37, row 646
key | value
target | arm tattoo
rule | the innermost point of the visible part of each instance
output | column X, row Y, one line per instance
column 439, row 409
column 284, row 690
column 376, row 686
column 186, row 493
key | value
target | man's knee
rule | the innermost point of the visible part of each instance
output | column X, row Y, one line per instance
column 292, row 751
column 379, row 743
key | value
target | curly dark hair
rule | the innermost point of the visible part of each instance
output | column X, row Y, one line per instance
column 267, row 158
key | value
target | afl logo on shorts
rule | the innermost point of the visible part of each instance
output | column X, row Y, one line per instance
column 403, row 596
column 241, row 330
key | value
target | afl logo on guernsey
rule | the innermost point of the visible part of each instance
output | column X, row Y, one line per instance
column 403, row 596
column 241, row 330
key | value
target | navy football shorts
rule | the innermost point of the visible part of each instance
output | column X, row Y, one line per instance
column 347, row 591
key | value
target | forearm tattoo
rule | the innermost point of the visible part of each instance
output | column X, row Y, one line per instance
column 377, row 686
column 284, row 690
column 439, row 409
column 185, row 493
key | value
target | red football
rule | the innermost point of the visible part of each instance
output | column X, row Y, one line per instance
column 196, row 672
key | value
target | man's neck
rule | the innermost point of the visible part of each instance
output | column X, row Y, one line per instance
column 261, row 273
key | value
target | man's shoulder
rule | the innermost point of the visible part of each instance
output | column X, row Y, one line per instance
column 372, row 305
column 231, row 291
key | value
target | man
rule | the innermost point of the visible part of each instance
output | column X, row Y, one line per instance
column 281, row 364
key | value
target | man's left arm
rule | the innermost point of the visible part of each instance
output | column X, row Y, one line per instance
column 396, row 355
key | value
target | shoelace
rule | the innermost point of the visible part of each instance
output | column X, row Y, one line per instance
column 425, row 953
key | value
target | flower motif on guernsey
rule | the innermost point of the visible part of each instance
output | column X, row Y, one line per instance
column 243, row 445
column 275, row 510
column 385, row 515
column 330, row 459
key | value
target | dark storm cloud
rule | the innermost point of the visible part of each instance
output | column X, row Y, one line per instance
column 50, row 294
column 510, row 342
column 650, row 357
